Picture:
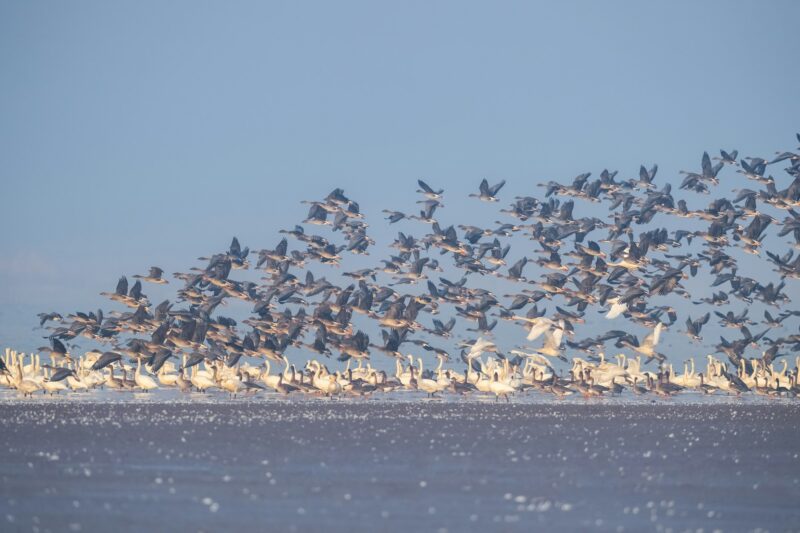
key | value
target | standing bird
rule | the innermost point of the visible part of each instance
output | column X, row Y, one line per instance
column 143, row 381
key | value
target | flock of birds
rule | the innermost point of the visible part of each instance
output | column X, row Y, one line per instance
column 630, row 272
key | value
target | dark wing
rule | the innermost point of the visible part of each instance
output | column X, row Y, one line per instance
column 496, row 188
column 424, row 186
column 122, row 286
column 235, row 248
column 707, row 170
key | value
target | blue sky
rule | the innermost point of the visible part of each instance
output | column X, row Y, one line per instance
column 146, row 133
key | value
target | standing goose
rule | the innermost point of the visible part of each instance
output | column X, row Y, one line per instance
column 560, row 391
column 112, row 382
column 183, row 384
column 282, row 387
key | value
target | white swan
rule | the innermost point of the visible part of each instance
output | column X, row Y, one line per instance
column 143, row 381
column 168, row 379
column 500, row 388
column 201, row 380
column 426, row 384
column 232, row 383
column 268, row 379
column 648, row 345
column 24, row 385
column 539, row 325
column 76, row 383
column 552, row 343
column 617, row 308
column 52, row 387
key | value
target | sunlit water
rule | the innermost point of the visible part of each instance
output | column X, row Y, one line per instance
column 163, row 460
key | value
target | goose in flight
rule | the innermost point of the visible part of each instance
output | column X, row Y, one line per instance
column 629, row 270
column 45, row 317
column 488, row 194
column 429, row 193
column 154, row 276
column 693, row 327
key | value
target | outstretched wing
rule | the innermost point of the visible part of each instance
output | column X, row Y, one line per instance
column 657, row 333
column 540, row 325
column 707, row 170
column 496, row 188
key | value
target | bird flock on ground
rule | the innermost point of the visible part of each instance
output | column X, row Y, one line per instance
column 570, row 273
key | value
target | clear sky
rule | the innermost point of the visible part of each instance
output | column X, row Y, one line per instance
column 149, row 133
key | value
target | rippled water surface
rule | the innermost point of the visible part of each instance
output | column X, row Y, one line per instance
column 137, row 461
